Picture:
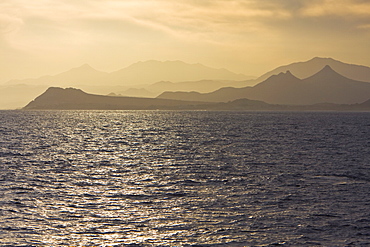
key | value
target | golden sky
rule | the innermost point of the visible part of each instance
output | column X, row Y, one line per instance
column 248, row 36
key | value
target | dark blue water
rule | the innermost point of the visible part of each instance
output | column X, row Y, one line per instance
column 163, row 178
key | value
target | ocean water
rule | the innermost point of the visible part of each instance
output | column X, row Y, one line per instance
column 184, row 178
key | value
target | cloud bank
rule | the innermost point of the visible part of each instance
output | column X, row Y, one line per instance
column 129, row 30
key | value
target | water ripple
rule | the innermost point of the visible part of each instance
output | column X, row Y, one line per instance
column 167, row 178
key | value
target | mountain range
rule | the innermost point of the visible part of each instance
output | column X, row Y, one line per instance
column 75, row 99
column 202, row 86
column 312, row 66
column 199, row 82
column 326, row 86
column 299, row 69
column 141, row 73
column 147, row 79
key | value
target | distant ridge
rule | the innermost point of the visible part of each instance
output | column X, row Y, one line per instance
column 364, row 105
column 202, row 86
column 74, row 76
column 174, row 71
column 135, row 80
column 326, row 86
column 17, row 93
column 75, row 99
column 147, row 72
column 55, row 98
column 312, row 66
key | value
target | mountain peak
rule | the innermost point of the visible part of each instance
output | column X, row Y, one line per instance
column 53, row 90
column 327, row 74
column 322, row 58
column 327, row 67
column 288, row 73
column 327, row 70
column 84, row 67
column 283, row 78
column 285, row 75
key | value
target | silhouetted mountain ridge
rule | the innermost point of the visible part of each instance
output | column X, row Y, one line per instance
column 312, row 66
column 18, row 92
column 75, row 99
column 326, row 86
column 202, row 86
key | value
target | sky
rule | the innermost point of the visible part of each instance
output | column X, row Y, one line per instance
column 42, row 37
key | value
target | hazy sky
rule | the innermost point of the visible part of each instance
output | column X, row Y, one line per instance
column 250, row 36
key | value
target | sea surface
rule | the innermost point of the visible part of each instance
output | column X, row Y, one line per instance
column 184, row 178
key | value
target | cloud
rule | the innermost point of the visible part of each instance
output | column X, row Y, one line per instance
column 342, row 8
column 9, row 19
column 102, row 29
column 365, row 26
column 46, row 23
column 215, row 21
